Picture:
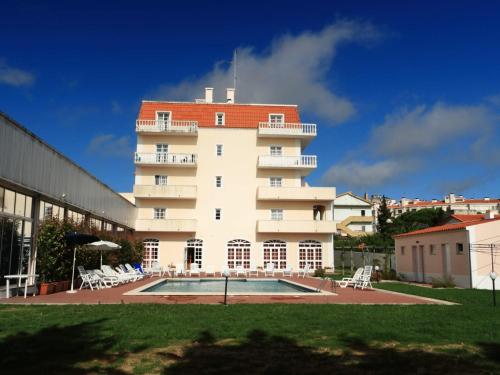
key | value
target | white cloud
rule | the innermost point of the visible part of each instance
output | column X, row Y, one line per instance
column 292, row 71
column 422, row 128
column 110, row 145
column 14, row 76
column 358, row 175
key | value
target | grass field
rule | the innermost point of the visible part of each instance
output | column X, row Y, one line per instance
column 293, row 339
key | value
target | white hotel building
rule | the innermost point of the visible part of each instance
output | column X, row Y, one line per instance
column 223, row 184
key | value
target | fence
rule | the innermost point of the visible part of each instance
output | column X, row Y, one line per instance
column 347, row 259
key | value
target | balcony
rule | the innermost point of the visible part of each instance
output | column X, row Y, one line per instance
column 165, row 191
column 167, row 159
column 174, row 127
column 296, row 226
column 287, row 129
column 165, row 225
column 303, row 162
column 267, row 193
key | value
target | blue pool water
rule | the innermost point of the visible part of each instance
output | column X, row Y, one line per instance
column 238, row 286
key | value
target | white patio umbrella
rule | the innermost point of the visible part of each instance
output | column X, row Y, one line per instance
column 103, row 246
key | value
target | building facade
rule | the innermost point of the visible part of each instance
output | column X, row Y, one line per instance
column 467, row 251
column 353, row 215
column 222, row 185
column 456, row 204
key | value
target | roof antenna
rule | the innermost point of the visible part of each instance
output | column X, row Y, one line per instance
column 235, row 63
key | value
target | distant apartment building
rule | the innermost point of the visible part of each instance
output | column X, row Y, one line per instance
column 223, row 185
column 353, row 215
column 453, row 203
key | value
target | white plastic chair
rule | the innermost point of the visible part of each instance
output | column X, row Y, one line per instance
column 179, row 269
column 364, row 280
column 305, row 272
column 194, row 270
column 288, row 271
column 253, row 271
column 106, row 281
column 134, row 271
column 350, row 281
column 87, row 279
column 269, row 270
column 209, row 270
column 240, row 271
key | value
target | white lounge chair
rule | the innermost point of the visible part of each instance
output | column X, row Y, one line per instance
column 179, row 269
column 350, row 281
column 155, row 269
column 88, row 279
column 253, row 271
column 240, row 271
column 269, row 270
column 194, row 270
column 127, row 275
column 108, row 271
column 305, row 272
column 364, row 280
column 288, row 271
column 106, row 281
column 132, row 270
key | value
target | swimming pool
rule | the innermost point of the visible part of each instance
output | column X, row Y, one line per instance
column 216, row 287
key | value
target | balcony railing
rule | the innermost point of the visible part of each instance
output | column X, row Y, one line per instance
column 295, row 226
column 287, row 129
column 174, row 127
column 295, row 193
column 301, row 161
column 165, row 191
column 163, row 158
column 165, row 225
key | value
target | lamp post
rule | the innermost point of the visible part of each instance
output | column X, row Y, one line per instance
column 493, row 276
column 226, row 275
column 377, row 272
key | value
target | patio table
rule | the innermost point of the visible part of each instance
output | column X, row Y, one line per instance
column 19, row 278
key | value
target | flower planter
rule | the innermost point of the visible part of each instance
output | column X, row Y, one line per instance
column 46, row 288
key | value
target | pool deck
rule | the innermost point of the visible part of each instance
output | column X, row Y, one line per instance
column 117, row 295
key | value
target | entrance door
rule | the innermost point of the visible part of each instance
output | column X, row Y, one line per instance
column 414, row 255
column 421, row 263
column 193, row 253
column 445, row 253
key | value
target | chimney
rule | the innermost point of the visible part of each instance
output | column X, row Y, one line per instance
column 230, row 95
column 209, row 94
column 489, row 215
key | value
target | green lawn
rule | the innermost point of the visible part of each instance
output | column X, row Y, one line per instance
column 305, row 339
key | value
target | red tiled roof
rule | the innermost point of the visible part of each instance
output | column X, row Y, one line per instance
column 442, row 203
column 236, row 115
column 476, row 217
column 444, row 228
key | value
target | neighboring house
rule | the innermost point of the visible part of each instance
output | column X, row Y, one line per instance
column 459, row 218
column 453, row 203
column 353, row 215
column 462, row 250
column 222, row 184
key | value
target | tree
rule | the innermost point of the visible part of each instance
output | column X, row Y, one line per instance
column 384, row 216
column 415, row 220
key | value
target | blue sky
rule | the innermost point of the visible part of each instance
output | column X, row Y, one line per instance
column 406, row 95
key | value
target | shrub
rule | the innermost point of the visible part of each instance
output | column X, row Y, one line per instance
column 445, row 282
column 320, row 272
column 389, row 275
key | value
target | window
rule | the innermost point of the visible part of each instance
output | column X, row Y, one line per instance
column 163, row 118
column 276, row 150
column 432, row 250
column 460, row 248
column 151, row 247
column 310, row 252
column 276, row 118
column 218, row 150
column 218, row 214
column 363, row 228
column 160, row 180
column 218, row 181
column 276, row 214
column 238, row 254
column 159, row 213
column 161, row 152
column 400, row 211
column 275, row 252
column 363, row 213
column 220, row 118
column 402, row 250
column 275, row 181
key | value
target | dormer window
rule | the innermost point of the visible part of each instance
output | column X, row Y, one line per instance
column 163, row 118
column 220, row 119
column 276, row 118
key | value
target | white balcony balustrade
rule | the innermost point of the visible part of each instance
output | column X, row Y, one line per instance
column 287, row 129
column 288, row 162
column 163, row 158
column 174, row 127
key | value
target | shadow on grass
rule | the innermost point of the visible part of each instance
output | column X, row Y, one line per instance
column 59, row 350
column 261, row 353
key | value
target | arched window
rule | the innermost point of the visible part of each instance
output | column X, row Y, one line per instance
column 194, row 252
column 238, row 254
column 275, row 252
column 310, row 252
column 151, row 250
